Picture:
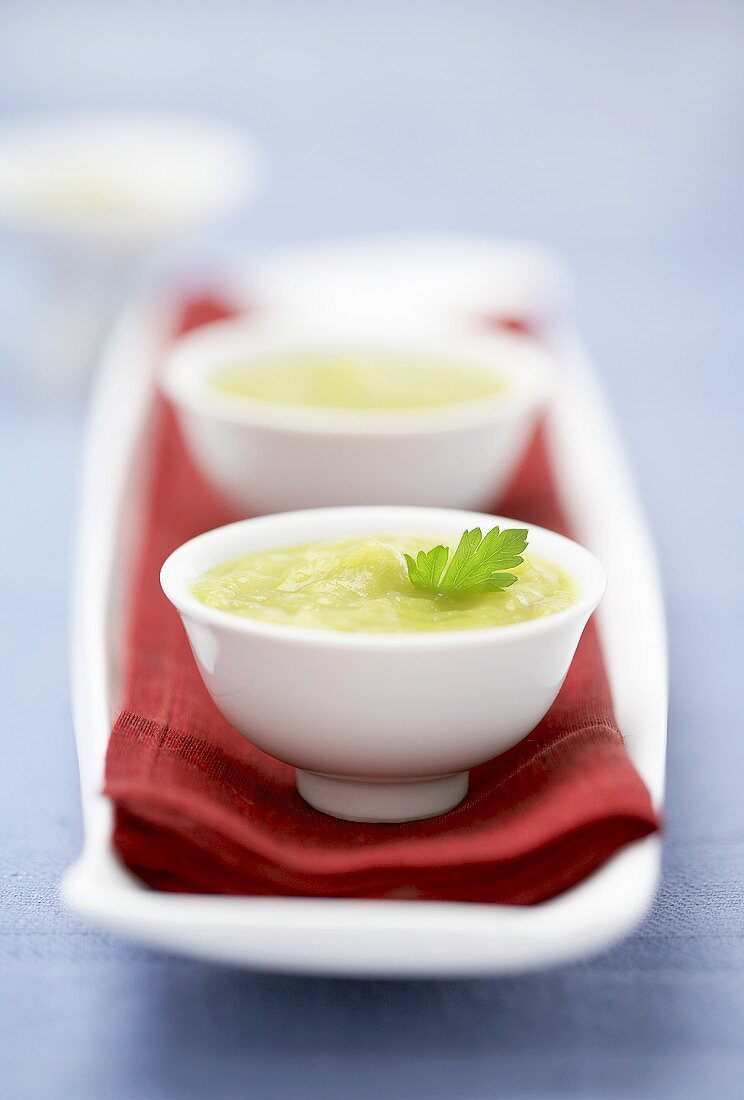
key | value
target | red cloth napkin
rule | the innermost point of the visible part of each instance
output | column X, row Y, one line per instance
column 200, row 809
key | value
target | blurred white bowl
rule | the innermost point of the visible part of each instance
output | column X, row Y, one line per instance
column 120, row 176
column 269, row 457
column 388, row 278
column 382, row 727
column 96, row 198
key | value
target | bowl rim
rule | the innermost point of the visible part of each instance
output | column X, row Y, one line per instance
column 176, row 575
column 529, row 368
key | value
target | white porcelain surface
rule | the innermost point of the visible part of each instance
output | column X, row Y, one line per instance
column 380, row 800
column 327, row 936
column 383, row 707
column 267, row 457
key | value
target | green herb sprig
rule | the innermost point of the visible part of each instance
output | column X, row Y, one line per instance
column 478, row 563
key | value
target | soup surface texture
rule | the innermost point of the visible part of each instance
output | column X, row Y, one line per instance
column 358, row 381
column 361, row 585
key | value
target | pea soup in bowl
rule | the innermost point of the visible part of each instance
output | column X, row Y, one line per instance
column 280, row 420
column 383, row 651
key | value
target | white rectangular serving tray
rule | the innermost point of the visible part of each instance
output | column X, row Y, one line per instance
column 353, row 937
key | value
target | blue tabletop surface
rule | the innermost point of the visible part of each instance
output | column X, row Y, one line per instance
column 611, row 131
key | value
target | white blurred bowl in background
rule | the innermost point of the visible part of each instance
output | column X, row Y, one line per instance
column 270, row 457
column 95, row 199
column 458, row 280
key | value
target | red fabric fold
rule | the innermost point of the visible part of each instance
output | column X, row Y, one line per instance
column 199, row 809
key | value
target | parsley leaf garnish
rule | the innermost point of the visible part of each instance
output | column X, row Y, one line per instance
column 478, row 563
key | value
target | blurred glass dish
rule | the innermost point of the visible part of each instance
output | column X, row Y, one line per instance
column 97, row 200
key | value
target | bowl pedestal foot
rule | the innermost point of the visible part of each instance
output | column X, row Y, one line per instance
column 382, row 800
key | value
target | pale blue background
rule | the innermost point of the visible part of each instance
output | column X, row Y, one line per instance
column 613, row 132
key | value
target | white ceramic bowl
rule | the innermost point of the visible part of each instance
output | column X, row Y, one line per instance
column 390, row 276
column 99, row 202
column 381, row 727
column 115, row 176
column 267, row 457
